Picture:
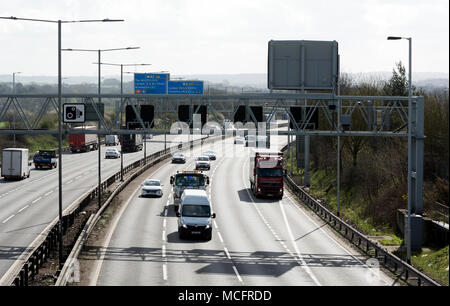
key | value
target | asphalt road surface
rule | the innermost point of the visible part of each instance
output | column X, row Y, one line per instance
column 254, row 242
column 28, row 206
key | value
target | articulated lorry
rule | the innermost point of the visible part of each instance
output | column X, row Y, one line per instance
column 266, row 173
column 15, row 164
column 187, row 180
column 131, row 142
column 83, row 142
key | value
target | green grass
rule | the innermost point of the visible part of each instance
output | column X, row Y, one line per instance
column 42, row 142
column 431, row 262
column 434, row 263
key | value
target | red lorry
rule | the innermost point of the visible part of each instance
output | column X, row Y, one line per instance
column 83, row 142
column 266, row 173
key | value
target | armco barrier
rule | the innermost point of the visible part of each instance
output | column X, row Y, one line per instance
column 37, row 253
column 391, row 262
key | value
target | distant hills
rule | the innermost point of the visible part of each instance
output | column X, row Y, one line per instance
column 255, row 80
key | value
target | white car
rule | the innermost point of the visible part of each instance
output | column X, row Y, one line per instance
column 202, row 163
column 112, row 153
column 152, row 187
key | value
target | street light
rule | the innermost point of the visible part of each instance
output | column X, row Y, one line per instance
column 99, row 101
column 121, row 102
column 408, row 229
column 59, row 22
column 14, row 114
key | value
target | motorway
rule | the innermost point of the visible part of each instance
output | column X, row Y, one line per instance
column 28, row 206
column 254, row 242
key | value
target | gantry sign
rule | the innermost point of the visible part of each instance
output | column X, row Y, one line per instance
column 384, row 116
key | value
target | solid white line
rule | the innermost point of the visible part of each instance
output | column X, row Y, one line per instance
column 7, row 219
column 303, row 265
column 23, row 208
column 331, row 238
column 299, row 255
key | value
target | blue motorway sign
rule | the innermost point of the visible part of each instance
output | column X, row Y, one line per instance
column 185, row 87
column 150, row 83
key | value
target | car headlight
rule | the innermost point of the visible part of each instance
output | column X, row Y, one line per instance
column 208, row 226
column 184, row 225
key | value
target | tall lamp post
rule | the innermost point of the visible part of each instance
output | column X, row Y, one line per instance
column 121, row 102
column 99, row 51
column 408, row 224
column 59, row 22
column 14, row 114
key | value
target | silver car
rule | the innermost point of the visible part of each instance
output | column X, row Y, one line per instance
column 112, row 153
column 152, row 187
column 202, row 163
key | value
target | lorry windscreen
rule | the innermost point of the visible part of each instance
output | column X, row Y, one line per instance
column 189, row 180
column 199, row 211
column 267, row 172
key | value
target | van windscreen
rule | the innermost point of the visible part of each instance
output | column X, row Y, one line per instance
column 199, row 211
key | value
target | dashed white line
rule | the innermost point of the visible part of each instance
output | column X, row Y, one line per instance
column 7, row 219
column 237, row 274
column 164, row 271
column 48, row 193
column 163, row 235
column 23, row 208
column 36, row 200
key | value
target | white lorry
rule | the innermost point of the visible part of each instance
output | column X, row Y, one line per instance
column 15, row 164
column 111, row 140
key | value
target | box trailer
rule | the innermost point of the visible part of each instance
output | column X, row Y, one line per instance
column 15, row 164
column 83, row 142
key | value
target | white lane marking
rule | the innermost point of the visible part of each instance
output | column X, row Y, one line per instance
column 331, row 238
column 220, row 237
column 164, row 223
column 164, row 251
column 164, row 267
column 98, row 263
column 23, row 208
column 226, row 252
column 70, row 182
column 50, row 192
column 36, row 200
column 302, row 264
column 237, row 274
column 7, row 219
column 218, row 163
column 163, row 235
column 291, row 236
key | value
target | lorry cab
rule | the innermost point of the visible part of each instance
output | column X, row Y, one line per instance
column 187, row 180
column 195, row 214
column 266, row 173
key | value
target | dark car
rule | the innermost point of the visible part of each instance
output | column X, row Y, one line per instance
column 178, row 158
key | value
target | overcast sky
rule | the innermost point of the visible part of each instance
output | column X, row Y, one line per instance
column 220, row 37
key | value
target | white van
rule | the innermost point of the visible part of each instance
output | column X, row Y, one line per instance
column 195, row 214
column 15, row 164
